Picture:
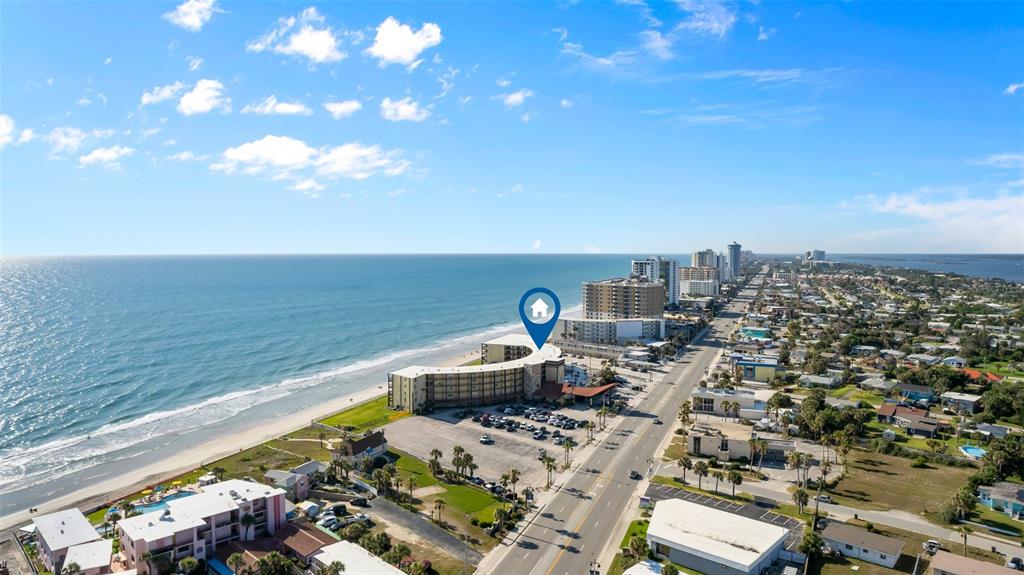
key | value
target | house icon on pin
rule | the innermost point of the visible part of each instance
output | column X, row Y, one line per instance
column 539, row 308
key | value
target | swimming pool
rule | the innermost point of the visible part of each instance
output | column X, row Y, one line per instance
column 972, row 451
column 157, row 505
column 754, row 332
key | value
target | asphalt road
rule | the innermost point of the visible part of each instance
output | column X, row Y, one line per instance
column 575, row 526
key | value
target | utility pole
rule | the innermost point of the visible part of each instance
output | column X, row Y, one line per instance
column 465, row 540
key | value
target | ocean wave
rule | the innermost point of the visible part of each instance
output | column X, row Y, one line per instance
column 21, row 468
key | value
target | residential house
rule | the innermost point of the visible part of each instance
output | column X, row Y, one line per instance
column 302, row 540
column 912, row 392
column 731, row 441
column 864, row 350
column 961, row 402
column 759, row 368
column 826, row 381
column 712, row 400
column 354, row 558
column 946, row 563
column 877, row 384
column 371, row 444
column 920, row 359
column 887, row 412
column 1009, row 497
column 992, row 430
column 58, row 532
column 862, row 544
column 954, row 361
column 982, row 375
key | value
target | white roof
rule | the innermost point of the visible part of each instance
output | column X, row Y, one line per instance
column 90, row 555
column 356, row 559
column 65, row 528
column 546, row 353
column 646, row 567
column 712, row 534
column 960, row 396
column 157, row 525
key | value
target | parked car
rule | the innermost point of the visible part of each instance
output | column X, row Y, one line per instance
column 1015, row 563
column 359, row 502
column 486, row 439
column 329, row 522
column 824, row 498
column 634, row 474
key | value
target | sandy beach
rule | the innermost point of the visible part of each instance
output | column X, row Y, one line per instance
column 99, row 494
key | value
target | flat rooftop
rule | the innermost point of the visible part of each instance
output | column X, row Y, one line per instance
column 546, row 353
column 712, row 534
column 65, row 528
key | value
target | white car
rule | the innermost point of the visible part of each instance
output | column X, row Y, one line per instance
column 354, row 518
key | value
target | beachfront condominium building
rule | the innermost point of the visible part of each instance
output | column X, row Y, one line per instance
column 698, row 281
column 659, row 268
column 609, row 331
column 512, row 369
column 635, row 297
column 722, row 263
column 704, row 259
column 195, row 526
column 734, row 259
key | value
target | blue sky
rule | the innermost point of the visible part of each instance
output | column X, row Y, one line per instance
column 276, row 127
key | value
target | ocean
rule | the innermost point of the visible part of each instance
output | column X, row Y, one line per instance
column 111, row 363
column 1009, row 267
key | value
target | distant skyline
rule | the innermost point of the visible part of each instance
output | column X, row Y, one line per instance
column 208, row 127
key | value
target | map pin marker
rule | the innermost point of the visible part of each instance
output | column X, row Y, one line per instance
column 539, row 309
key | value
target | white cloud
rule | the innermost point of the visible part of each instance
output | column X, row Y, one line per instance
column 108, row 61
column 307, row 36
column 614, row 61
column 765, row 33
column 527, row 116
column 188, row 156
column 447, row 81
column 562, row 32
column 1012, row 88
column 83, row 101
column 536, row 245
column 516, row 189
column 515, row 99
column 657, row 44
column 404, row 109
column 6, row 130
column 194, row 63
column 706, row 17
column 106, row 157
column 69, row 139
column 282, row 157
column 277, row 152
column 207, row 95
column 1004, row 160
column 149, row 132
column 948, row 224
column 343, row 109
column 396, row 43
column 566, row 103
column 27, row 135
column 271, row 106
column 192, row 15
column 396, row 193
column 503, row 82
column 161, row 93
column 308, row 186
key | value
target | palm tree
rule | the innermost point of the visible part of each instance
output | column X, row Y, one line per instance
column 504, row 480
column 457, row 461
column 236, row 562
column 273, row 563
column 321, row 435
column 762, row 448
column 436, row 454
column 964, row 532
column 345, row 466
column 718, row 475
column 513, row 478
column 549, row 466
column 686, row 463
column 568, row 445
column 332, row 568
column 218, row 472
column 247, row 522
column 71, row 568
column 685, row 408
column 801, row 498
column 410, row 483
column 380, row 477
column 188, row 565
column 735, row 478
column 438, row 506
column 145, row 558
column 701, row 469
column 471, row 467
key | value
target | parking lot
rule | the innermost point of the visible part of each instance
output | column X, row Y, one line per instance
column 419, row 435
column 759, row 511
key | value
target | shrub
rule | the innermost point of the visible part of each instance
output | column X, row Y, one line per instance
column 919, row 463
column 474, row 522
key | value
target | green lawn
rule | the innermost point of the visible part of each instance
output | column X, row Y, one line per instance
column 882, row 482
column 987, row 516
column 874, row 429
column 841, row 391
column 1000, row 368
column 676, row 449
column 459, row 499
column 620, row 564
column 365, row 416
column 636, row 527
column 871, row 397
column 309, row 449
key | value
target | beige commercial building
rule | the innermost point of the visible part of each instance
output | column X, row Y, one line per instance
column 634, row 297
column 512, row 370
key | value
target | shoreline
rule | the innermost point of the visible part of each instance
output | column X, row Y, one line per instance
column 99, row 494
